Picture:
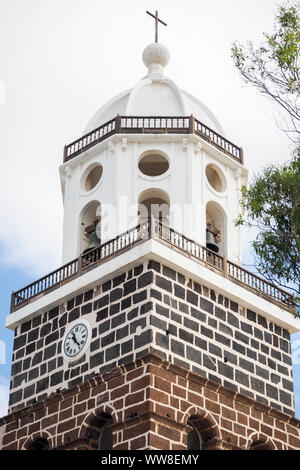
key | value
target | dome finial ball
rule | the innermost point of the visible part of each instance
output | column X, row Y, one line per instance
column 156, row 53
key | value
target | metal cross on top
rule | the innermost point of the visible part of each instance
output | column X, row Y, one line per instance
column 156, row 23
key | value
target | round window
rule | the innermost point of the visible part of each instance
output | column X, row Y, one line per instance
column 153, row 164
column 215, row 178
column 92, row 177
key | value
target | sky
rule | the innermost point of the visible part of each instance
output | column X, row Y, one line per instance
column 60, row 60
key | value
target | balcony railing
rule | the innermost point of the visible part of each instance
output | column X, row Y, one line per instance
column 79, row 266
column 226, row 268
column 156, row 230
column 152, row 125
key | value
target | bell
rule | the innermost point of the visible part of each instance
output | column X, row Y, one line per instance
column 93, row 241
column 210, row 241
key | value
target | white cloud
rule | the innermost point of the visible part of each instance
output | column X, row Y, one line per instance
column 2, row 92
column 295, row 346
column 4, row 392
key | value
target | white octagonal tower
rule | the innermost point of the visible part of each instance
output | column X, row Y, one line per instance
column 154, row 146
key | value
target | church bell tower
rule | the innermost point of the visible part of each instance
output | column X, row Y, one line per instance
column 151, row 335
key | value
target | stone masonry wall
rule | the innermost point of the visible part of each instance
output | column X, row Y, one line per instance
column 153, row 308
column 150, row 401
column 201, row 330
column 117, row 311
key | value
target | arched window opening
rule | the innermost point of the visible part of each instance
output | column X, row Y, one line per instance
column 106, row 437
column 90, row 227
column 154, row 203
column 201, row 433
column 215, row 228
column 153, row 164
column 193, row 438
column 99, row 432
column 261, row 444
column 39, row 444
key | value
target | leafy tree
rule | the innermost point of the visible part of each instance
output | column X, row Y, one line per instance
column 272, row 205
column 272, row 200
column 273, row 67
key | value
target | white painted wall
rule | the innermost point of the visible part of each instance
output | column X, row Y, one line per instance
column 122, row 183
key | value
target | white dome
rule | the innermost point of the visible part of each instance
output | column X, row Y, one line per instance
column 155, row 95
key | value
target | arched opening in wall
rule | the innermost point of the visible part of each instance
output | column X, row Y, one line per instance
column 201, row 433
column 99, row 432
column 105, row 441
column 153, row 164
column 154, row 203
column 91, row 176
column 215, row 177
column 90, row 227
column 193, row 437
column 216, row 228
column 39, row 443
column 261, row 444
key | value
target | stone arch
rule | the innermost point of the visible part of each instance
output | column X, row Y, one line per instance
column 89, row 226
column 156, row 202
column 205, row 425
column 94, row 423
column 35, row 437
column 259, row 441
column 216, row 227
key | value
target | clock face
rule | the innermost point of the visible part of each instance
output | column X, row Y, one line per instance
column 76, row 340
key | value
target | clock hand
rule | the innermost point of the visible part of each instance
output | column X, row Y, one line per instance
column 75, row 339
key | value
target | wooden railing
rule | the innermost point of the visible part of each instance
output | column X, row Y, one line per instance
column 253, row 282
column 79, row 266
column 218, row 141
column 201, row 253
column 152, row 125
column 89, row 140
column 226, row 268
column 44, row 285
column 163, row 233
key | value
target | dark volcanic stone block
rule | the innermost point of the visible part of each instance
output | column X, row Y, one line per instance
column 206, row 305
column 163, row 283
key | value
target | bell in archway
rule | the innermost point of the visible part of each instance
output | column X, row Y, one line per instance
column 93, row 240
column 210, row 241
